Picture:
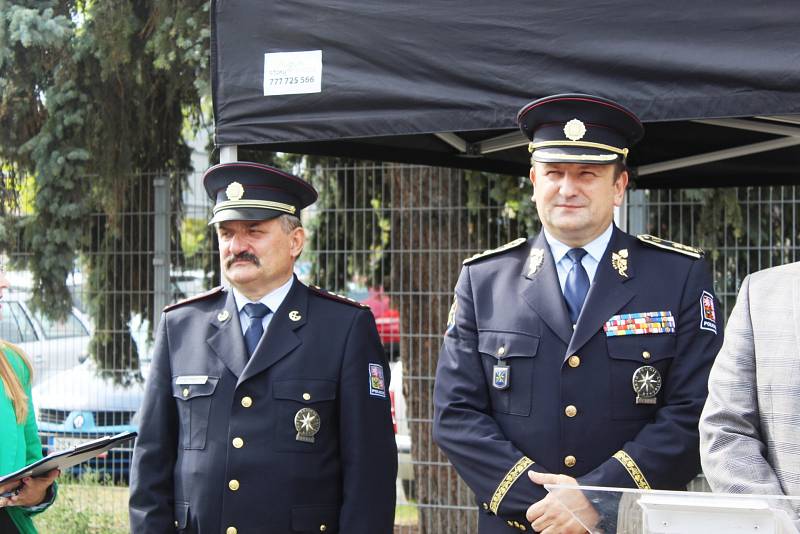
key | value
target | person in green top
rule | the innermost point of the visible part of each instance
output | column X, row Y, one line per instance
column 19, row 440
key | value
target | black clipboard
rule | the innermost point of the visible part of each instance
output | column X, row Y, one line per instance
column 67, row 458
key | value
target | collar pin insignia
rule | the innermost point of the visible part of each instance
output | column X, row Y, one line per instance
column 223, row 316
column 294, row 315
column 536, row 260
column 619, row 260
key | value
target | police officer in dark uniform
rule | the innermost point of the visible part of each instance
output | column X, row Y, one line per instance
column 581, row 354
column 266, row 408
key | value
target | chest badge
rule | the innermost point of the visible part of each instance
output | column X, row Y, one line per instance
column 646, row 384
column 501, row 375
column 306, row 422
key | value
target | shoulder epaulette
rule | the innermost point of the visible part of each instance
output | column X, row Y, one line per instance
column 194, row 298
column 671, row 245
column 337, row 297
column 492, row 251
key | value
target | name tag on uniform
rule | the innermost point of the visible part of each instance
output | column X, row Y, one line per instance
column 191, row 380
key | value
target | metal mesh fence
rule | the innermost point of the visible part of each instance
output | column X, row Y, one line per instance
column 390, row 235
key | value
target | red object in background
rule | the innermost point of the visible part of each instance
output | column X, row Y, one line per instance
column 387, row 319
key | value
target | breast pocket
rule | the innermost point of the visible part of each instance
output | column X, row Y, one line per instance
column 510, row 389
column 639, row 370
column 307, row 420
column 194, row 408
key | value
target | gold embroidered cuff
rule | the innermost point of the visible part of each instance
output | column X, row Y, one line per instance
column 633, row 469
column 513, row 474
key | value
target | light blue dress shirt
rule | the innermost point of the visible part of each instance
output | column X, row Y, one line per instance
column 595, row 250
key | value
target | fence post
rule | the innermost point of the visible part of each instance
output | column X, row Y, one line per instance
column 637, row 207
column 161, row 245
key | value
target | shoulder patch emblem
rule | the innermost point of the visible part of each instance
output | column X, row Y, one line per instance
column 194, row 298
column 377, row 385
column 654, row 241
column 337, row 297
column 491, row 252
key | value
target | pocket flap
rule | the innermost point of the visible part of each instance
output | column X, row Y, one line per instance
column 507, row 344
column 312, row 518
column 181, row 515
column 305, row 390
column 635, row 347
column 191, row 391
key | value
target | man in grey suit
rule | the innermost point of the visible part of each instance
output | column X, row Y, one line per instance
column 750, row 426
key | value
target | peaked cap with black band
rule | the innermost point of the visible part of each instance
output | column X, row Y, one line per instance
column 577, row 128
column 245, row 191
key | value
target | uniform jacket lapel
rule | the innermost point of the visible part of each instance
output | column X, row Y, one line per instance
column 607, row 294
column 281, row 336
column 542, row 290
column 227, row 340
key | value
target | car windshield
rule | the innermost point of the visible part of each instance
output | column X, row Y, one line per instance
column 70, row 326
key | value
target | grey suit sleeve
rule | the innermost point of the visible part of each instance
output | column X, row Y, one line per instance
column 733, row 452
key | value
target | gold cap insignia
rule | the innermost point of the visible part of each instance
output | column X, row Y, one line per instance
column 307, row 423
column 294, row 315
column 234, row 191
column 535, row 261
column 619, row 260
column 223, row 316
column 574, row 130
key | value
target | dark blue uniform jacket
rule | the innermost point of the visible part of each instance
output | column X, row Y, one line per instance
column 222, row 455
column 570, row 406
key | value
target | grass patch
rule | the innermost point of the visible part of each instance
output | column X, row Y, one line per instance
column 88, row 505
column 94, row 505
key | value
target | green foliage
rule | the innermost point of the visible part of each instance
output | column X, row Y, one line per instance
column 94, row 98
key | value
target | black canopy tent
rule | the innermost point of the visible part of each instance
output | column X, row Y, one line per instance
column 439, row 82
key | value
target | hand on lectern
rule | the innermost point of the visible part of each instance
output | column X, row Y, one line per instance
column 557, row 512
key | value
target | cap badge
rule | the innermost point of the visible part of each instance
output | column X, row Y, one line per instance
column 574, row 130
column 619, row 260
column 234, row 191
column 535, row 261
column 294, row 315
column 307, row 423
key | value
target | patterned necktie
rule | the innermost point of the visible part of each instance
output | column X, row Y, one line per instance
column 255, row 330
column 577, row 284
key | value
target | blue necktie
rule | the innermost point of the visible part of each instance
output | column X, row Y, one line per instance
column 577, row 284
column 255, row 330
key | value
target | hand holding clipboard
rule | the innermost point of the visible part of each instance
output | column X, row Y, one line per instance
column 59, row 461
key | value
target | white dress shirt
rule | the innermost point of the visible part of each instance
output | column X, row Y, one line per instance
column 272, row 300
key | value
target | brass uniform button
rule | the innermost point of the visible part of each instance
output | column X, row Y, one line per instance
column 485, row 506
column 238, row 443
column 501, row 351
column 233, row 485
column 570, row 461
column 307, row 396
column 323, row 528
column 574, row 361
column 646, row 355
column 231, row 530
column 571, row 411
column 247, row 402
column 176, row 524
column 185, row 392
